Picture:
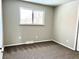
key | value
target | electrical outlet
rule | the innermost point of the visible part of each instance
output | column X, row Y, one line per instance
column 67, row 40
column 19, row 37
column 36, row 37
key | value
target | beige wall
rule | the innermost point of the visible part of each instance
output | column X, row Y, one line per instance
column 65, row 24
column 12, row 28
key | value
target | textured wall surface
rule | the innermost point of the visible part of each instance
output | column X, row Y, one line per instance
column 65, row 24
column 14, row 33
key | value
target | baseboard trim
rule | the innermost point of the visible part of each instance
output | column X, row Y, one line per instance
column 32, row 42
column 28, row 42
column 63, row 45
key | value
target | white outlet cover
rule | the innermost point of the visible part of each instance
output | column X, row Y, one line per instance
column 19, row 37
column 36, row 37
column 67, row 40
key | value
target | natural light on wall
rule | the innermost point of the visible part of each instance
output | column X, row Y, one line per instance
column 31, row 17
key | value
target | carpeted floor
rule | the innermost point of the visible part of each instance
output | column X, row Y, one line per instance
column 46, row 50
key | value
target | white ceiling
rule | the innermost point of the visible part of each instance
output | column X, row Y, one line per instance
column 49, row 2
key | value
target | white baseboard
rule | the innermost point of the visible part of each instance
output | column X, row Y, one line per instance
column 63, row 45
column 28, row 42
column 31, row 42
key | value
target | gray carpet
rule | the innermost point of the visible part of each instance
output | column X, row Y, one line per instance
column 46, row 50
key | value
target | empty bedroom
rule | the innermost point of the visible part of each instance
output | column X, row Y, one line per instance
column 39, row 29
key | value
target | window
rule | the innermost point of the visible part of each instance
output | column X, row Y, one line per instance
column 38, row 17
column 30, row 17
column 25, row 16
